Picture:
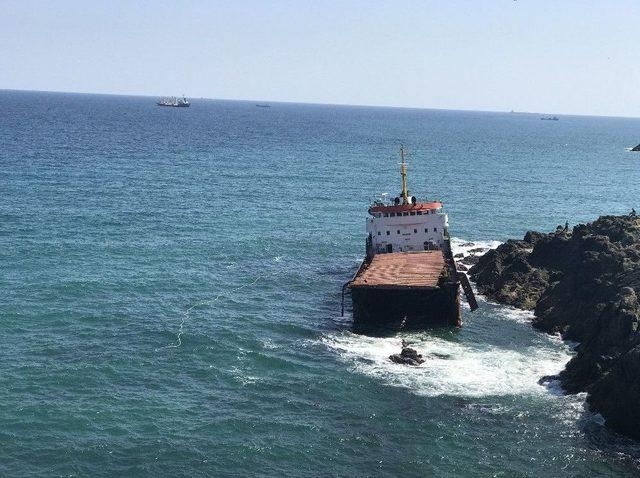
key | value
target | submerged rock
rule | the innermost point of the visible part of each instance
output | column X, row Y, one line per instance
column 408, row 356
column 584, row 284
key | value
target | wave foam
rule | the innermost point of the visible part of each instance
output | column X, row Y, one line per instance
column 461, row 246
column 451, row 368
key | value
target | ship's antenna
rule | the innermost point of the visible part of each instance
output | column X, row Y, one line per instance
column 403, row 171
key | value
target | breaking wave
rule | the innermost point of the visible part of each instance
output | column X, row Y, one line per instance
column 468, row 248
column 451, row 368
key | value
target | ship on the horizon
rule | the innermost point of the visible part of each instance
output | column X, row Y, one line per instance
column 549, row 118
column 174, row 102
column 408, row 278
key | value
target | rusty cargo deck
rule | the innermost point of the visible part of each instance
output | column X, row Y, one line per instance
column 415, row 270
column 406, row 290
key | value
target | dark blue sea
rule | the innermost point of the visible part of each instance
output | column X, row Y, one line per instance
column 170, row 290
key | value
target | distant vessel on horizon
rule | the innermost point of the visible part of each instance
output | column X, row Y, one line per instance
column 174, row 102
column 263, row 106
column 549, row 118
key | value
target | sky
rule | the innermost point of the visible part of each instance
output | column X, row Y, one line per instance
column 561, row 56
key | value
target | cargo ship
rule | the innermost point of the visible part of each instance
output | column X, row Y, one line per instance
column 408, row 278
column 175, row 102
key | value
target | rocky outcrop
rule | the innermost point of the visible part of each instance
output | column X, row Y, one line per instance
column 506, row 276
column 407, row 356
column 584, row 284
column 636, row 148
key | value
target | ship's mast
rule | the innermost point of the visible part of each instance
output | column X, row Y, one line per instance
column 403, row 171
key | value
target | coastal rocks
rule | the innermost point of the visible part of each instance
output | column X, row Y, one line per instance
column 585, row 285
column 407, row 356
column 615, row 396
column 636, row 148
column 505, row 275
column 471, row 259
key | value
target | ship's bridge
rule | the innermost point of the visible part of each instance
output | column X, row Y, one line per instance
column 403, row 228
column 406, row 224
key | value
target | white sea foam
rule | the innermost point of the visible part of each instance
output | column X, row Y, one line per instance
column 513, row 314
column 462, row 246
column 456, row 369
column 269, row 344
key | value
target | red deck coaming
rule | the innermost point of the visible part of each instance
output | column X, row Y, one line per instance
column 421, row 206
column 402, row 270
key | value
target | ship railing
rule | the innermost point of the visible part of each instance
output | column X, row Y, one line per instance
column 346, row 284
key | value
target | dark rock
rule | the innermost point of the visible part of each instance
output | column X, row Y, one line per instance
column 458, row 255
column 470, row 260
column 408, row 356
column 636, row 148
column 584, row 284
column 462, row 267
column 505, row 275
column 532, row 237
column 616, row 394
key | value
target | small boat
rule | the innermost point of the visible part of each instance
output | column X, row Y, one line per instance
column 549, row 118
column 264, row 106
column 174, row 102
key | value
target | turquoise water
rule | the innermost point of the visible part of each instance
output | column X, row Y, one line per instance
column 170, row 284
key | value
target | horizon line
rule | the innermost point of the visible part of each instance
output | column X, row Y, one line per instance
column 324, row 104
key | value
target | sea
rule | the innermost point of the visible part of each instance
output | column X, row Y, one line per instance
column 170, row 290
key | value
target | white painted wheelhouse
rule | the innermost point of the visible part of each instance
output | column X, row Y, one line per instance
column 406, row 224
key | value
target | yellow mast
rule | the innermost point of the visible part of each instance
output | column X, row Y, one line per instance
column 403, row 170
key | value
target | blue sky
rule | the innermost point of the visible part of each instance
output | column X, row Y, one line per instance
column 565, row 56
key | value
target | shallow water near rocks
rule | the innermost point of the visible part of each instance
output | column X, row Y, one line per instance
column 171, row 282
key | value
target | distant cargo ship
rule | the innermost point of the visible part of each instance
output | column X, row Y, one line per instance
column 174, row 102
column 408, row 277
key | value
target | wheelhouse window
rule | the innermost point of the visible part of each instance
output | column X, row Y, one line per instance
column 388, row 232
column 415, row 231
column 419, row 213
column 412, row 213
column 379, row 233
column 398, row 231
column 435, row 229
column 393, row 214
column 386, row 214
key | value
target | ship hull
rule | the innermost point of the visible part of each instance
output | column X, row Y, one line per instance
column 405, row 308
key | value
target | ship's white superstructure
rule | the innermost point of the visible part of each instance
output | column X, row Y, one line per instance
column 406, row 225
column 418, row 227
